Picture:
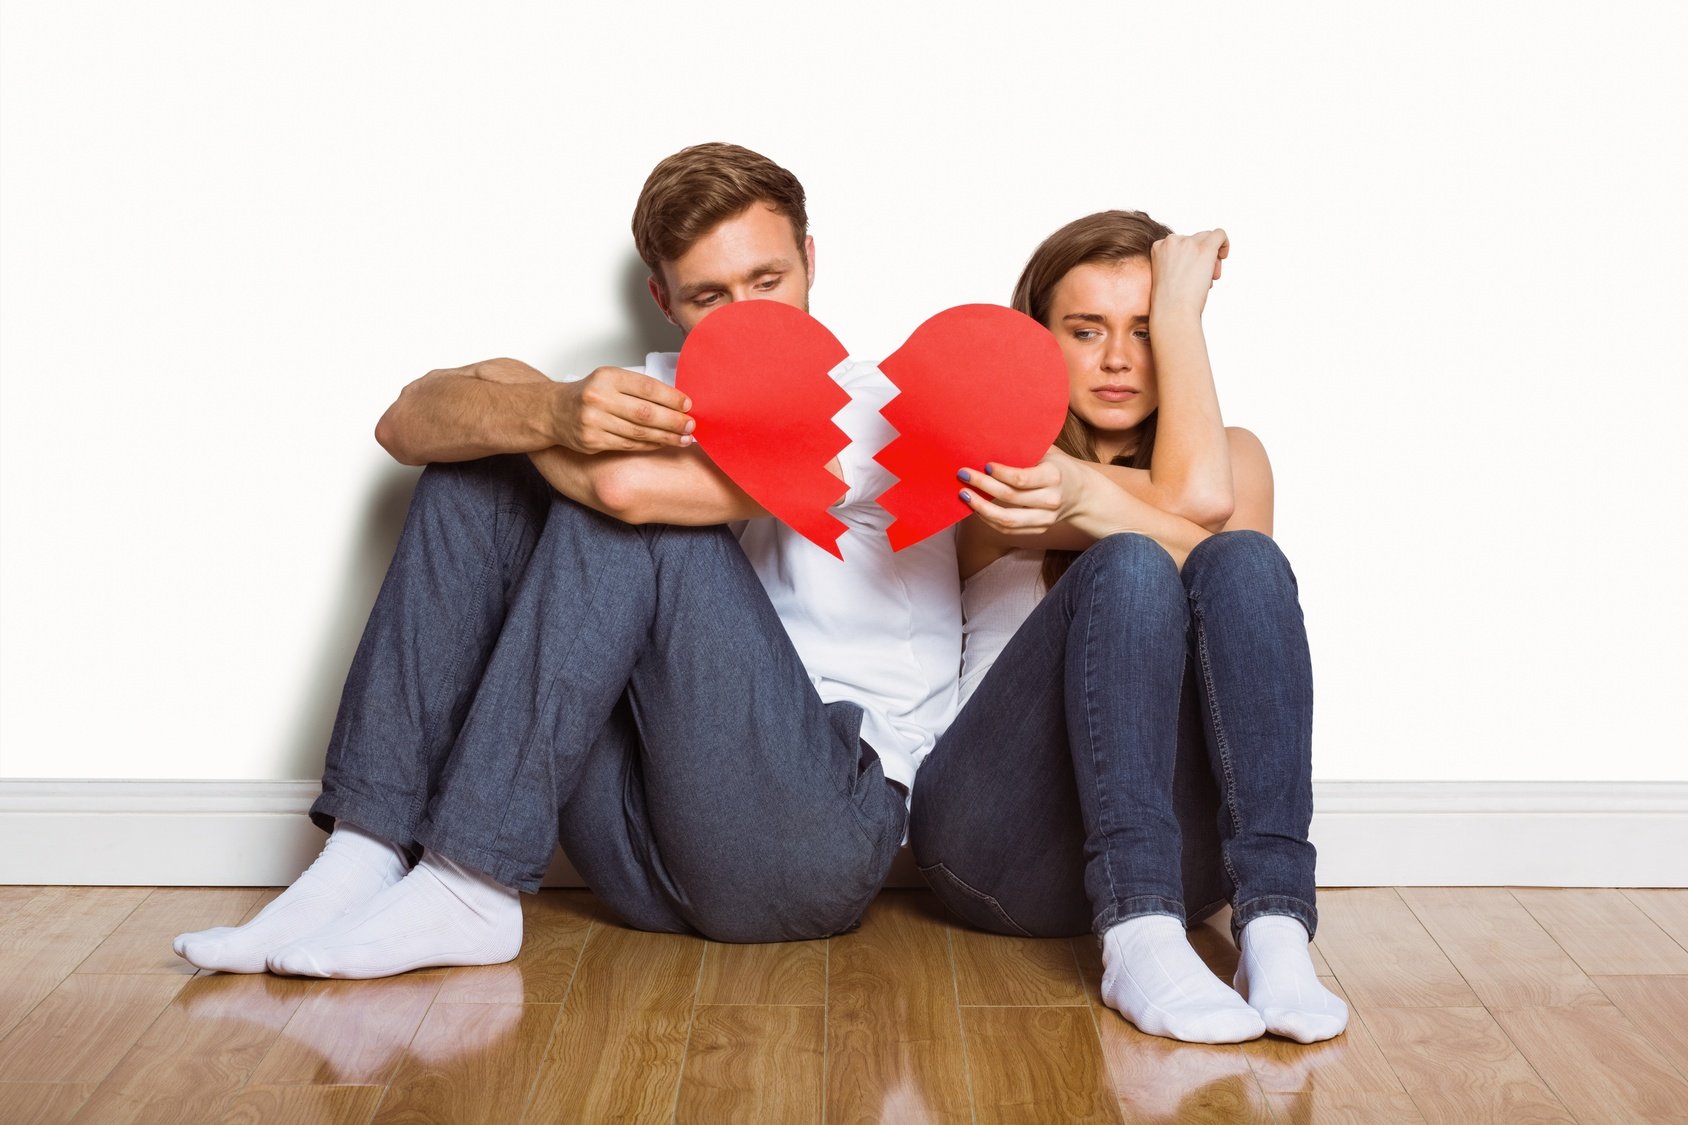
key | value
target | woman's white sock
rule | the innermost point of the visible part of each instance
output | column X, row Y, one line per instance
column 442, row 913
column 353, row 867
column 1152, row 977
column 1275, row 975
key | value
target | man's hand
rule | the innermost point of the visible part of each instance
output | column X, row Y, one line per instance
column 615, row 410
column 1184, row 267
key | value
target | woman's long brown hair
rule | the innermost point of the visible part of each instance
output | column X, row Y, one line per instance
column 1107, row 236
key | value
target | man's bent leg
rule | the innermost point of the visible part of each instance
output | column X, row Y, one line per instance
column 467, row 540
column 725, row 798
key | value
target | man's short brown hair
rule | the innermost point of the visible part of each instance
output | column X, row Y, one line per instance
column 688, row 193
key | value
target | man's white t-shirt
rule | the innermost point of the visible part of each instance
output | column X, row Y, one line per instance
column 879, row 629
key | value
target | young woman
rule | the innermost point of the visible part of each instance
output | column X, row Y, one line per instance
column 1134, row 744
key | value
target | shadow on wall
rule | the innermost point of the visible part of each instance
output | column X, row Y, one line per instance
column 387, row 500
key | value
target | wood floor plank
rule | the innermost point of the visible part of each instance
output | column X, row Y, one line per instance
column 84, row 1026
column 1031, row 1064
column 1598, row 1063
column 1345, row 1070
column 1658, row 1007
column 1504, row 955
column 1460, row 1067
column 783, row 972
column 1164, row 1080
column 894, row 1049
column 1604, row 931
column 621, row 1041
column 554, row 928
column 471, row 1063
column 996, row 969
column 1325, row 1107
column 199, row 1052
column 303, row 1105
column 13, row 897
column 141, row 943
column 754, row 1063
column 43, row 1103
column 349, row 1032
column 1667, row 908
column 1383, row 956
column 43, row 940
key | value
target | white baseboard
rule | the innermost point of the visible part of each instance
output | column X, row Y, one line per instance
column 1368, row 833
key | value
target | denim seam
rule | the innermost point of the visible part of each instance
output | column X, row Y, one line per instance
column 1135, row 907
column 1263, row 905
column 1103, row 812
column 1222, row 746
column 955, row 881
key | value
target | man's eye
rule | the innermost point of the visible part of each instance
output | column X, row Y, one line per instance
column 705, row 300
column 1141, row 333
column 768, row 283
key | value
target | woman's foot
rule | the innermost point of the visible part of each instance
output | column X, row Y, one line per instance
column 1152, row 977
column 442, row 913
column 1275, row 975
column 353, row 868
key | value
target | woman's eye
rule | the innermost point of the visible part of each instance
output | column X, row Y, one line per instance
column 1141, row 333
column 1086, row 334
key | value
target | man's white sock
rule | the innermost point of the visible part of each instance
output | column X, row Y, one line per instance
column 1152, row 977
column 354, row 866
column 442, row 913
column 1275, row 975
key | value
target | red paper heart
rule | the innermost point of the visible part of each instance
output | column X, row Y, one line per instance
column 976, row 382
column 757, row 374
column 979, row 383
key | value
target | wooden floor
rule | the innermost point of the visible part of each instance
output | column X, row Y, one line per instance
column 1470, row 1005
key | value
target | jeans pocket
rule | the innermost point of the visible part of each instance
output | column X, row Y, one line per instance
column 970, row 904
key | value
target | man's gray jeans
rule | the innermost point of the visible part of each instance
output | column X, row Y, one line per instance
column 535, row 671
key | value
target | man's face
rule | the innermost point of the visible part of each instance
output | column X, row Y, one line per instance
column 753, row 256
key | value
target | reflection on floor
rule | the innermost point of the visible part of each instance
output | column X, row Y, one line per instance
column 1470, row 1005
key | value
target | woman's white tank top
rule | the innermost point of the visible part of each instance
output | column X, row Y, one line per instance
column 995, row 602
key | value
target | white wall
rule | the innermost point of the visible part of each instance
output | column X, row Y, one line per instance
column 230, row 232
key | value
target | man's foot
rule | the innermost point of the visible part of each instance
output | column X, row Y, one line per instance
column 353, row 868
column 442, row 913
column 1152, row 977
column 1275, row 975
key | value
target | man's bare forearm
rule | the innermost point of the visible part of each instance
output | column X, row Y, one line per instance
column 451, row 416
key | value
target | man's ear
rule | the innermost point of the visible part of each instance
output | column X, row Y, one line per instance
column 809, row 257
column 660, row 296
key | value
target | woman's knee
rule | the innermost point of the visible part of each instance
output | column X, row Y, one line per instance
column 1131, row 556
column 1245, row 556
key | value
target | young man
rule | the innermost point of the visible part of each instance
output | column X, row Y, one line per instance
column 720, row 724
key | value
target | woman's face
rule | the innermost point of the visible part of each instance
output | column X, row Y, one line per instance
column 1100, row 314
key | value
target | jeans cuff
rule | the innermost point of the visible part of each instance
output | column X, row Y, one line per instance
column 377, row 821
column 1134, row 907
column 1299, row 909
column 493, row 864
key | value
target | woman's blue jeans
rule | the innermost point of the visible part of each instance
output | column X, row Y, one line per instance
column 1143, row 745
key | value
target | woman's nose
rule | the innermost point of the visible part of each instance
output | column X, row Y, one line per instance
column 1117, row 358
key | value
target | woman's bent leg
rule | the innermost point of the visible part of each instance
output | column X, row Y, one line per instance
column 1257, row 681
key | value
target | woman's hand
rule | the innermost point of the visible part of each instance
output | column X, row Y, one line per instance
column 1027, row 502
column 1183, row 268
